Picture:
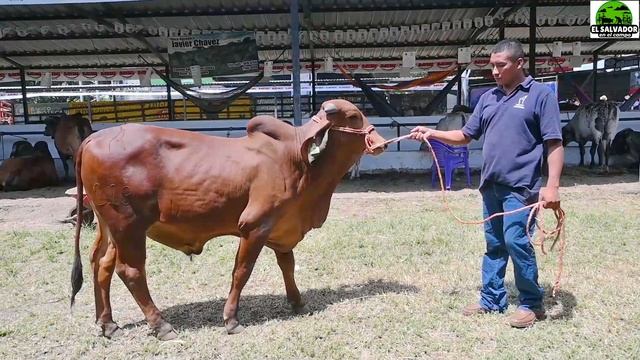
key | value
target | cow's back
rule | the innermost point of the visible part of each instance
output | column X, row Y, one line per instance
column 452, row 121
column 180, row 182
column 583, row 124
column 153, row 159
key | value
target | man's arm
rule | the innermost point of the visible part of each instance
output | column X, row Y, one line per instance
column 453, row 137
column 471, row 130
column 555, row 160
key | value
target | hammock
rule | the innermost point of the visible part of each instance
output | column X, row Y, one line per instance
column 430, row 79
column 211, row 103
column 379, row 103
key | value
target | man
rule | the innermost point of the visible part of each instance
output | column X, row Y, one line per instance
column 517, row 118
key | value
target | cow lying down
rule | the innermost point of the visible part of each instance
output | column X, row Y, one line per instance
column 183, row 189
column 28, row 169
column 625, row 148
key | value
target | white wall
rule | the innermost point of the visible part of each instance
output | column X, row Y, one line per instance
column 408, row 159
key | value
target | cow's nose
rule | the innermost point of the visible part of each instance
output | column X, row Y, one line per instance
column 378, row 140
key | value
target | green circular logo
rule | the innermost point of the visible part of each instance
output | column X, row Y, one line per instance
column 614, row 13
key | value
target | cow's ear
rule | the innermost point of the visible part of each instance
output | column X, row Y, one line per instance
column 317, row 145
column 315, row 138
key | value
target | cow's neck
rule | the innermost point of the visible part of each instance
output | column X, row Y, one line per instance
column 327, row 171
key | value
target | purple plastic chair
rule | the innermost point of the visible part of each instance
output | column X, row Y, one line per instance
column 449, row 158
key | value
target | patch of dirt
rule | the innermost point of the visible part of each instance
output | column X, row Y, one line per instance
column 35, row 209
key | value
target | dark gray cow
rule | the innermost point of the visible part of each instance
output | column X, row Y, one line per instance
column 454, row 120
column 597, row 123
column 625, row 148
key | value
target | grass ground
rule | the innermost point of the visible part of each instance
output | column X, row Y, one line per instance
column 385, row 277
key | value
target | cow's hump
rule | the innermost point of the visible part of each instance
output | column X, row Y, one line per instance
column 271, row 127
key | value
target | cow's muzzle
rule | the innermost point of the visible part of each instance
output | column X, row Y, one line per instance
column 371, row 146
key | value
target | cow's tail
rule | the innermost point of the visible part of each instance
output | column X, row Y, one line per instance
column 76, row 270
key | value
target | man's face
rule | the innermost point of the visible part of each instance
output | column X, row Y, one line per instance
column 505, row 69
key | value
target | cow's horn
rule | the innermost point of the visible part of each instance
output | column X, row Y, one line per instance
column 330, row 108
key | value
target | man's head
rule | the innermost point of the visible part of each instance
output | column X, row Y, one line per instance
column 507, row 62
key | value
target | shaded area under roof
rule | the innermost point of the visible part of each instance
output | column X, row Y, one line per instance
column 73, row 35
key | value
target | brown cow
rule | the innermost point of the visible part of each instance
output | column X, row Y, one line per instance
column 21, row 148
column 183, row 189
column 68, row 132
column 30, row 171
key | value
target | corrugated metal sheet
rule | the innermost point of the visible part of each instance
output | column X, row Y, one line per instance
column 84, row 45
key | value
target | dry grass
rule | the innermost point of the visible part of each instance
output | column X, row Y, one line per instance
column 385, row 277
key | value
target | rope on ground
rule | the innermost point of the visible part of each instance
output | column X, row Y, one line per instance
column 558, row 233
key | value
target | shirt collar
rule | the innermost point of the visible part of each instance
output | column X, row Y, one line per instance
column 525, row 84
column 528, row 81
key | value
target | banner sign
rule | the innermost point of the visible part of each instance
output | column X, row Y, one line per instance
column 545, row 62
column 217, row 54
column 43, row 108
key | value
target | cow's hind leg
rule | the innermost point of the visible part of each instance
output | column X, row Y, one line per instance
column 596, row 146
column 592, row 152
column 103, row 261
column 287, row 264
column 130, row 267
column 605, row 143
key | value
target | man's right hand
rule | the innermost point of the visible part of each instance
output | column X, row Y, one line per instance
column 421, row 133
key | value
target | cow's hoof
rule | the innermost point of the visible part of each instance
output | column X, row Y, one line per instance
column 111, row 330
column 233, row 327
column 300, row 309
column 165, row 332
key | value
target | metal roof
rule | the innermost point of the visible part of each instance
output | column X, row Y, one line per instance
column 74, row 36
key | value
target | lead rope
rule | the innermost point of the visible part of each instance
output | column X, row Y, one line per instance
column 558, row 232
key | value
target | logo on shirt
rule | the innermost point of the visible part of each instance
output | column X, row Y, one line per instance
column 520, row 104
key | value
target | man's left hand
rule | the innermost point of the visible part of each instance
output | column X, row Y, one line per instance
column 550, row 197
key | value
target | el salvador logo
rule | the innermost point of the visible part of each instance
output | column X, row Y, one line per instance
column 520, row 104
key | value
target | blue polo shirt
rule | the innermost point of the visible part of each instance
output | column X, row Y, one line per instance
column 514, row 127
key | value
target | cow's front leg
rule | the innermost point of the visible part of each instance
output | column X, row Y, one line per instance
column 287, row 264
column 248, row 251
column 592, row 151
column 605, row 151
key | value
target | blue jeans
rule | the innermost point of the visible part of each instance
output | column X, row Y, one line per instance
column 506, row 237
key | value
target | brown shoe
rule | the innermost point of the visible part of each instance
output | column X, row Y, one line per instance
column 523, row 317
column 474, row 309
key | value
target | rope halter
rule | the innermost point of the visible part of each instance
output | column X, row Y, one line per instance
column 368, row 142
